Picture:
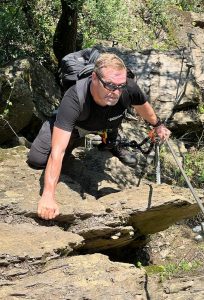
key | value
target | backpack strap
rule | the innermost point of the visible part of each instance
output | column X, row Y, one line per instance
column 82, row 86
column 86, row 71
column 93, row 55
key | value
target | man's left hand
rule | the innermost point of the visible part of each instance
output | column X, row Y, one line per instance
column 162, row 132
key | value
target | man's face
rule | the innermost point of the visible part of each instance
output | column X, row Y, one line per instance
column 108, row 86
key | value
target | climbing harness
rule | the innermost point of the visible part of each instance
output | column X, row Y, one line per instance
column 145, row 146
column 93, row 139
column 104, row 136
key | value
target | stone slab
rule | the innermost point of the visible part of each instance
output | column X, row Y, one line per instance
column 81, row 277
column 28, row 242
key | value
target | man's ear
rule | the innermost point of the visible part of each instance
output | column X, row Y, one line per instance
column 93, row 76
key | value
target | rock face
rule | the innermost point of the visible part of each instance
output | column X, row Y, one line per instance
column 178, row 288
column 174, row 79
column 55, row 259
column 81, row 277
column 190, row 33
column 159, row 75
column 27, row 89
column 15, row 237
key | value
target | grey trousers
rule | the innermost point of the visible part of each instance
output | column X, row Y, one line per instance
column 41, row 146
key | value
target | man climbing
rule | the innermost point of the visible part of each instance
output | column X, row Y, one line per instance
column 106, row 95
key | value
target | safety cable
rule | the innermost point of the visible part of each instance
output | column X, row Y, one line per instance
column 186, row 178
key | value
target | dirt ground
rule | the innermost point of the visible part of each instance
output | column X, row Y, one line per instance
column 175, row 244
column 175, row 253
column 176, row 269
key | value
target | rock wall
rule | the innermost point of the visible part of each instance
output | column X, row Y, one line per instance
column 27, row 89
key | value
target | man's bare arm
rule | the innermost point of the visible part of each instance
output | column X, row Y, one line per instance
column 47, row 206
column 147, row 113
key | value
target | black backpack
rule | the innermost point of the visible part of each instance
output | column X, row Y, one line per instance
column 77, row 65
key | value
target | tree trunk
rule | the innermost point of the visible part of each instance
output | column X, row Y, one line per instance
column 64, row 40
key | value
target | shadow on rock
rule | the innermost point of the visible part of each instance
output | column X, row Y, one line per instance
column 97, row 172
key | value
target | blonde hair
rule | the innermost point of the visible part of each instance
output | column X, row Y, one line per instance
column 108, row 60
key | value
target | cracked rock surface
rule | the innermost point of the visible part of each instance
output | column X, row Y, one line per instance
column 58, row 259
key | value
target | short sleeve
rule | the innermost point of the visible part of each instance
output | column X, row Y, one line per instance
column 135, row 94
column 69, row 110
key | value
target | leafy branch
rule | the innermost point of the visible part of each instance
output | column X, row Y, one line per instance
column 8, row 102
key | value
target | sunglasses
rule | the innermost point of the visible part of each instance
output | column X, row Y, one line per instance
column 111, row 86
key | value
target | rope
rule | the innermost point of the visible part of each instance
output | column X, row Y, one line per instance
column 8, row 124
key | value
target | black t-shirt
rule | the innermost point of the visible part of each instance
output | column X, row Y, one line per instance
column 99, row 117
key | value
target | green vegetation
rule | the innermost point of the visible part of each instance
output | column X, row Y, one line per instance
column 201, row 109
column 134, row 24
column 193, row 164
column 27, row 27
column 190, row 5
column 172, row 269
column 116, row 20
column 194, row 168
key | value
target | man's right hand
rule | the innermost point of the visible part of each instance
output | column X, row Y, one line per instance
column 48, row 209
